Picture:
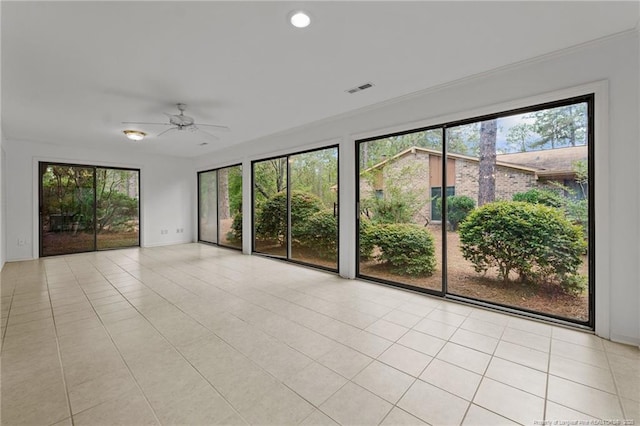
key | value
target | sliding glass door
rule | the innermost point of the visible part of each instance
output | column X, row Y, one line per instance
column 220, row 206
column 519, row 221
column 117, row 208
column 87, row 208
column 295, row 207
column 501, row 216
column 399, row 225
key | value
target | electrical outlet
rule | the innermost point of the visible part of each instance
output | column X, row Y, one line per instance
column 21, row 241
column 177, row 230
column 181, row 230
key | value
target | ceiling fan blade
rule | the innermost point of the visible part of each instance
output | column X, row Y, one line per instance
column 217, row 127
column 168, row 130
column 214, row 137
column 142, row 122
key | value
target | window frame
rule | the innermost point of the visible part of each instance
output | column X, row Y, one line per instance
column 200, row 240
column 287, row 257
column 590, row 99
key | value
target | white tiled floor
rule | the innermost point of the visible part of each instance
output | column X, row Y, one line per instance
column 194, row 334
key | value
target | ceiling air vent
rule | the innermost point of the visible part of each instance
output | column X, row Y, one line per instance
column 359, row 88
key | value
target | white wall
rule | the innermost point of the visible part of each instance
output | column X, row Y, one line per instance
column 167, row 193
column 3, row 204
column 615, row 60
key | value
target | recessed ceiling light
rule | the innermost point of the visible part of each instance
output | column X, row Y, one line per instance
column 134, row 135
column 299, row 19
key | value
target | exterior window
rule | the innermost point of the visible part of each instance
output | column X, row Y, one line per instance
column 220, row 206
column 295, row 207
column 88, row 208
column 514, row 229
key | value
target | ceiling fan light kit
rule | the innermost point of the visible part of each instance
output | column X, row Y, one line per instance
column 179, row 122
column 134, row 135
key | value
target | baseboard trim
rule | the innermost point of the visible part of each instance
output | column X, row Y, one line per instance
column 627, row 340
column 167, row 243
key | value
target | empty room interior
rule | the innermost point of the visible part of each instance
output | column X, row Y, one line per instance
column 320, row 213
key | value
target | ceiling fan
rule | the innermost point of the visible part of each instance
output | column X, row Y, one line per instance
column 182, row 122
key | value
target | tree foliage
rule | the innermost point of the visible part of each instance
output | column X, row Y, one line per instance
column 540, row 196
column 271, row 219
column 373, row 152
column 401, row 201
column 519, row 137
column 561, row 126
column 534, row 241
column 69, row 194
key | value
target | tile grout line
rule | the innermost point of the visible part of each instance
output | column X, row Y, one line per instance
column 417, row 377
column 547, row 375
column 119, row 353
column 171, row 345
column 55, row 328
column 615, row 384
column 4, row 333
column 483, row 375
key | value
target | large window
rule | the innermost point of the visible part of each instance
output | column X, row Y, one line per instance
column 220, row 206
column 400, row 185
column 87, row 208
column 513, row 228
column 295, row 207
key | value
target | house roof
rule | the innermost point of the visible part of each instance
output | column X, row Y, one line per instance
column 414, row 149
column 548, row 162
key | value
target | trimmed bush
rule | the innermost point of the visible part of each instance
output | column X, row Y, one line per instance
column 271, row 220
column 236, row 227
column 408, row 248
column 576, row 210
column 367, row 239
column 540, row 196
column 319, row 233
column 458, row 208
column 533, row 240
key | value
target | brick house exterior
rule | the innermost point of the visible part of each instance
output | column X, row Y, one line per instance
column 418, row 171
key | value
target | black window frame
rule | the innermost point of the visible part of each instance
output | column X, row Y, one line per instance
column 44, row 164
column 288, row 258
column 589, row 99
column 217, row 243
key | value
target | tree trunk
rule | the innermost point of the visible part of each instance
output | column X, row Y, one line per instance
column 487, row 173
column 364, row 159
column 280, row 165
column 223, row 194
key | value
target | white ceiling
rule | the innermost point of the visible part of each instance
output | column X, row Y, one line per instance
column 73, row 71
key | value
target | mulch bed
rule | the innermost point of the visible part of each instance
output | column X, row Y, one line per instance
column 463, row 280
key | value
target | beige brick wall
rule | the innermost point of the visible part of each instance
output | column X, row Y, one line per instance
column 508, row 181
column 410, row 174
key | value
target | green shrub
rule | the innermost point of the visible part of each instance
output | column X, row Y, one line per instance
column 574, row 284
column 319, row 233
column 271, row 220
column 540, row 196
column 408, row 248
column 576, row 210
column 236, row 227
column 367, row 239
column 533, row 240
column 458, row 208
column 388, row 210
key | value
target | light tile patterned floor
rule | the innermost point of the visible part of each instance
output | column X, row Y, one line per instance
column 194, row 334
